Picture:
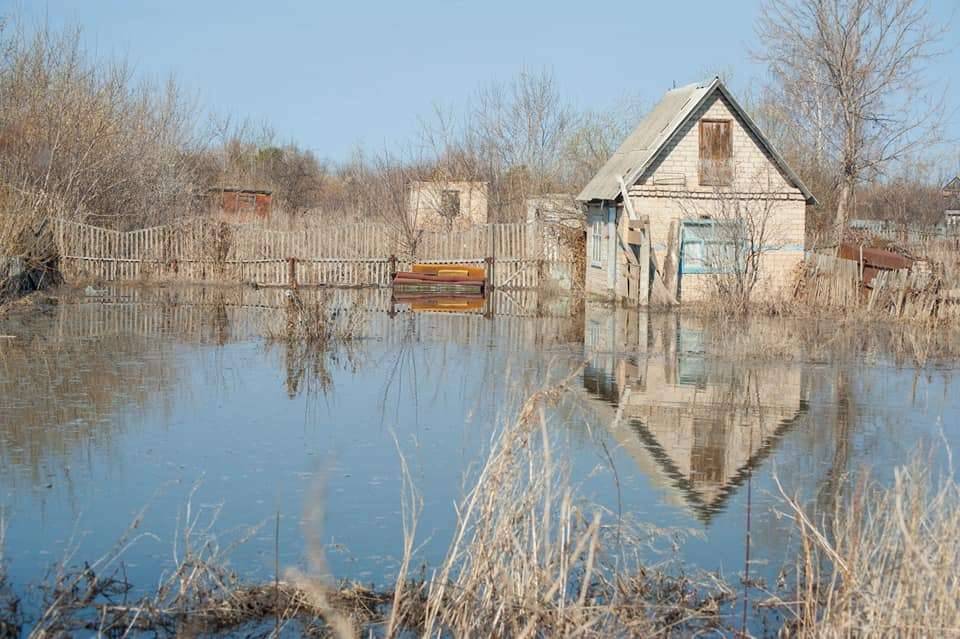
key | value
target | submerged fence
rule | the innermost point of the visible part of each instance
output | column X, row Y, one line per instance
column 524, row 320
column 522, row 255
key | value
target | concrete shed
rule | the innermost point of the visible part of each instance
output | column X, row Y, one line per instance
column 704, row 187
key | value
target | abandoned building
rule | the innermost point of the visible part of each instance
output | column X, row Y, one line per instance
column 444, row 205
column 951, row 189
column 703, row 184
column 239, row 204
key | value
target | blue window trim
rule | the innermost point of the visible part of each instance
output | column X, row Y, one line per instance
column 686, row 269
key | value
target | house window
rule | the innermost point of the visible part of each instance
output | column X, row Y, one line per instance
column 712, row 246
column 449, row 204
column 598, row 248
column 716, row 152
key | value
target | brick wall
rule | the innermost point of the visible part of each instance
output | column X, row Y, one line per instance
column 670, row 191
column 426, row 204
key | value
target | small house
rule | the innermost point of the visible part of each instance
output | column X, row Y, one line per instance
column 951, row 190
column 240, row 204
column 444, row 205
column 690, row 190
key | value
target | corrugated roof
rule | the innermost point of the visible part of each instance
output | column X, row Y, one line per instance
column 655, row 130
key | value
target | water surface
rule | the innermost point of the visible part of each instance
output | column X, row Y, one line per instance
column 142, row 398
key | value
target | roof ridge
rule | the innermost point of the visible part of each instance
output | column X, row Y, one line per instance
column 657, row 128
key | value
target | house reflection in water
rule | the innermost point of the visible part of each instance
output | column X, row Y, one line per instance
column 698, row 424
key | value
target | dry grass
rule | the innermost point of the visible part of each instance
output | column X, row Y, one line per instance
column 315, row 335
column 199, row 595
column 807, row 335
column 887, row 564
column 27, row 256
column 318, row 323
column 526, row 559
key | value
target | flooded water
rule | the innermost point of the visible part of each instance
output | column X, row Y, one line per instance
column 142, row 398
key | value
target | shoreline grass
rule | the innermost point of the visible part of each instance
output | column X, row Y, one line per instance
column 886, row 563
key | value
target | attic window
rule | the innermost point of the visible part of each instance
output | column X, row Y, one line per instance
column 716, row 152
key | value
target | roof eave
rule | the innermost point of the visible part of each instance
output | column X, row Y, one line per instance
column 716, row 84
column 807, row 194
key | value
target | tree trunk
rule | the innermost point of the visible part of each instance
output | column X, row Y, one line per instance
column 844, row 202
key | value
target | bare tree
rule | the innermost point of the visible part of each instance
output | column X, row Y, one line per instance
column 517, row 131
column 910, row 197
column 727, row 238
column 591, row 141
column 381, row 191
column 854, row 71
column 79, row 137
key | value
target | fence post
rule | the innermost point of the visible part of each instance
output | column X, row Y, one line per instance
column 490, row 262
column 292, row 272
column 392, row 310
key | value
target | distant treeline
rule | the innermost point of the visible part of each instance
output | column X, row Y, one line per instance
column 80, row 137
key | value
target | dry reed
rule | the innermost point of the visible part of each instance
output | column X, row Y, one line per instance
column 199, row 595
column 886, row 564
column 526, row 559
column 315, row 335
column 11, row 620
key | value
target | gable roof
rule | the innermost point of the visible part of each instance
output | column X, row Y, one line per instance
column 641, row 147
column 953, row 186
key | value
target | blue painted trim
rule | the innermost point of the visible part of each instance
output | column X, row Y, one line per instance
column 686, row 269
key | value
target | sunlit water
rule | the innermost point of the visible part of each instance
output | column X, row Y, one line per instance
column 137, row 399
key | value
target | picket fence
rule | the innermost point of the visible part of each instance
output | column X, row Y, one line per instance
column 205, row 250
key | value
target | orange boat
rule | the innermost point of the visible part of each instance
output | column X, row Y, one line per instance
column 462, row 271
column 442, row 278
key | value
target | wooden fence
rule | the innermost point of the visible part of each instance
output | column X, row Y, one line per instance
column 917, row 293
column 202, row 250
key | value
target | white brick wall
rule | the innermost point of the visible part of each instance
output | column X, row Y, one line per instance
column 425, row 202
column 670, row 191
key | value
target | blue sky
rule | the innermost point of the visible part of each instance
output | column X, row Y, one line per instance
column 334, row 75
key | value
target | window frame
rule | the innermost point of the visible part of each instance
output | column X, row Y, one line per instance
column 715, row 178
column 598, row 245
column 704, row 267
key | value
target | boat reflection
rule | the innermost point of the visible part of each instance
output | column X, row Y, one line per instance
column 695, row 423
